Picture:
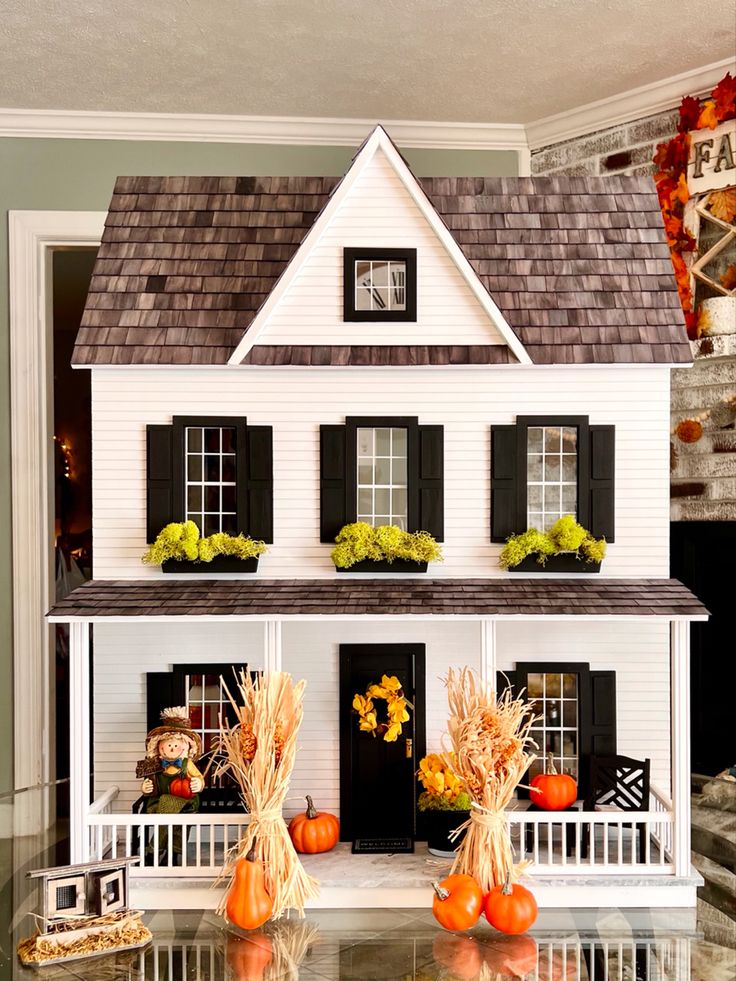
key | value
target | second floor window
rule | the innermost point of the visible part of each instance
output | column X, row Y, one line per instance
column 211, row 484
column 382, row 476
column 551, row 474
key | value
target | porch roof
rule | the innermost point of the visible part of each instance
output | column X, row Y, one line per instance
column 278, row 599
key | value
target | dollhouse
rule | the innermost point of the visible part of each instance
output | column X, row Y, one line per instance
column 468, row 357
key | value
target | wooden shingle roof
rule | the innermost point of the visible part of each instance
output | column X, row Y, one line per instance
column 579, row 267
column 283, row 598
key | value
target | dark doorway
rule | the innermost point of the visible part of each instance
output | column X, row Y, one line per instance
column 71, row 270
column 378, row 785
column 701, row 558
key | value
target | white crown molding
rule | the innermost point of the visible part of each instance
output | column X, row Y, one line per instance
column 647, row 100
column 292, row 130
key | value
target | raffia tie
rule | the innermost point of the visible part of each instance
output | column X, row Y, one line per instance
column 482, row 816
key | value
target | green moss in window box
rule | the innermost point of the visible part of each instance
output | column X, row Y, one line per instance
column 439, row 802
column 359, row 541
column 565, row 537
column 180, row 542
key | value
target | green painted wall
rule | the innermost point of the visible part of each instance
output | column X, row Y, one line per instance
column 74, row 175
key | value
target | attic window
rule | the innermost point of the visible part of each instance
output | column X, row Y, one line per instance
column 380, row 285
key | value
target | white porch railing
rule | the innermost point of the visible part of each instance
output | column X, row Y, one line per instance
column 596, row 842
column 564, row 843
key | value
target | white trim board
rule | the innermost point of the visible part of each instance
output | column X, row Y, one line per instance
column 377, row 618
column 289, row 130
column 637, row 103
column 31, row 234
column 378, row 142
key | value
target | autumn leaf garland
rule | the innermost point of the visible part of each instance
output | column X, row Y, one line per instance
column 671, row 160
column 397, row 706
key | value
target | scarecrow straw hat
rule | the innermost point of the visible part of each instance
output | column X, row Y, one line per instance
column 174, row 721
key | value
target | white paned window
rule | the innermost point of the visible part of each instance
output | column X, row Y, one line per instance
column 380, row 284
column 552, row 474
column 206, row 702
column 211, row 491
column 556, row 699
column 382, row 476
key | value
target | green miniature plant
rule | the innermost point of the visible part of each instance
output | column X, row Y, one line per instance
column 565, row 535
column 359, row 541
column 181, row 542
column 438, row 802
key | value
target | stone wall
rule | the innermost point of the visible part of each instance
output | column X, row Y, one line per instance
column 625, row 149
column 703, row 484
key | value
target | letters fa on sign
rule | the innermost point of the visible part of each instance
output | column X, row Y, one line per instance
column 712, row 161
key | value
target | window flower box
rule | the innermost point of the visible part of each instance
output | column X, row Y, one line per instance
column 220, row 563
column 383, row 566
column 567, row 562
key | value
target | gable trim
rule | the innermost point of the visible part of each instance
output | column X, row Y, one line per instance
column 379, row 140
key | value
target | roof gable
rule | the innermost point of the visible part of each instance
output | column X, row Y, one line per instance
column 379, row 203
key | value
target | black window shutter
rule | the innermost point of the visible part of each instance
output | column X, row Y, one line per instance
column 601, row 484
column 431, row 481
column 259, row 482
column 159, row 479
column 332, row 481
column 598, row 723
column 164, row 689
column 504, row 491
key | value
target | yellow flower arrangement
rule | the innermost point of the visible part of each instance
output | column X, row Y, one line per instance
column 443, row 789
column 397, row 706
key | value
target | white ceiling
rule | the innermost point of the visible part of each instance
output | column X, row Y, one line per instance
column 450, row 60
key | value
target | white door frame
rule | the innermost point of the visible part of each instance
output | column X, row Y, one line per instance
column 31, row 237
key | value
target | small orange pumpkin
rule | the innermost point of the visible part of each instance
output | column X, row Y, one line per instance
column 248, row 903
column 457, row 902
column 248, row 957
column 511, row 956
column 459, row 954
column 181, row 787
column 313, row 831
column 553, row 791
column 510, row 909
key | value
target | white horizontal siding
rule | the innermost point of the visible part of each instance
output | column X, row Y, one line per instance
column 637, row 652
column 310, row 651
column 378, row 212
column 465, row 402
column 123, row 654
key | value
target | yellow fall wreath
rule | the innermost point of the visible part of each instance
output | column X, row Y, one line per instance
column 397, row 706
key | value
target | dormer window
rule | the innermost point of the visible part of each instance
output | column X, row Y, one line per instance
column 380, row 284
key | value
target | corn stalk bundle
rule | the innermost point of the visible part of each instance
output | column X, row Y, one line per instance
column 491, row 750
column 258, row 751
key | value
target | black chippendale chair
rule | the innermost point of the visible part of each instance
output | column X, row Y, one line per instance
column 617, row 783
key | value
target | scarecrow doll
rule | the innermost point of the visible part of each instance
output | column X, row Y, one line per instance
column 171, row 781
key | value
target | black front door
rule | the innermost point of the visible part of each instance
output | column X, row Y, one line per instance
column 378, row 785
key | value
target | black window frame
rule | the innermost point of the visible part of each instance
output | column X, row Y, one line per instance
column 351, row 314
column 523, row 425
column 239, row 423
column 411, row 424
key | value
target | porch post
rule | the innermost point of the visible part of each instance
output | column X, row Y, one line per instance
column 680, row 722
column 272, row 645
column 79, row 744
column 488, row 651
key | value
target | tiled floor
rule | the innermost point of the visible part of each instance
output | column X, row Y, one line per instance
column 348, row 945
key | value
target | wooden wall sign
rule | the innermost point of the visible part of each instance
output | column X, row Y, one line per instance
column 712, row 161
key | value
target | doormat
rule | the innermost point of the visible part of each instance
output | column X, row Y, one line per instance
column 382, row 846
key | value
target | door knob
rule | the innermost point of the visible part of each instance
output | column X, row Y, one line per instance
column 409, row 748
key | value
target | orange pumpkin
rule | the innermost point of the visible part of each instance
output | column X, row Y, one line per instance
column 514, row 956
column 510, row 909
column 248, row 957
column 248, row 903
column 553, row 791
column 457, row 902
column 181, row 787
column 461, row 955
column 313, row 831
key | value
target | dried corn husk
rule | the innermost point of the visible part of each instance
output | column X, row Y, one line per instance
column 492, row 746
column 95, row 936
column 259, row 752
